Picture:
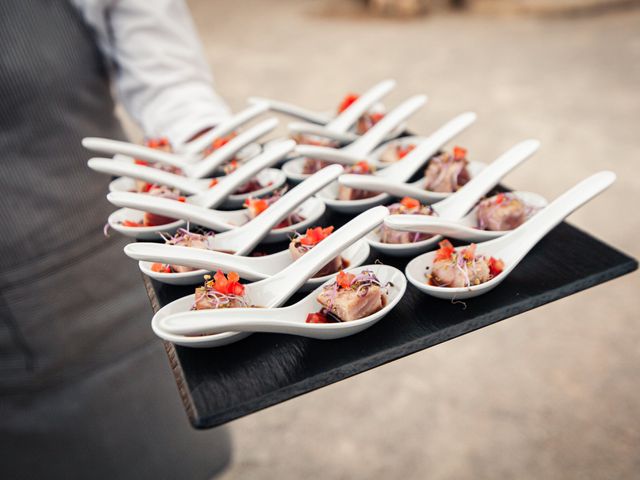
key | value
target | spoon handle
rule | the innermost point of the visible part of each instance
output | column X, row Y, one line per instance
column 376, row 134
column 229, row 320
column 377, row 183
column 516, row 244
column 321, row 131
column 171, row 208
column 230, row 183
column 286, row 282
column 292, row 110
column 113, row 147
column 208, row 164
column 459, row 203
column 195, row 147
column 428, row 224
column 260, row 226
column 327, row 153
column 345, row 120
column 193, row 257
column 403, row 169
column 144, row 173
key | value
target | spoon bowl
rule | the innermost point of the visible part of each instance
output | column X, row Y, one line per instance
column 291, row 320
column 402, row 249
column 311, row 210
column 140, row 233
column 271, row 179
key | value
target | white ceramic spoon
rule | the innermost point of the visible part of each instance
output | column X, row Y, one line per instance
column 206, row 200
column 219, row 220
column 393, row 179
column 465, row 228
column 241, row 239
column 190, row 184
column 270, row 180
column 289, row 320
column 416, row 158
column 190, row 153
column 357, row 151
column 249, row 268
column 360, row 148
column 342, row 122
column 400, row 171
column 513, row 247
column 192, row 172
column 455, row 208
column 271, row 292
column 321, row 131
column 320, row 118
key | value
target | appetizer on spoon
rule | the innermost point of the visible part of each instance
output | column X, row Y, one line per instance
column 316, row 157
column 397, row 238
column 445, row 173
column 465, row 272
column 352, row 109
column 347, row 197
column 190, row 153
column 268, row 293
column 135, row 223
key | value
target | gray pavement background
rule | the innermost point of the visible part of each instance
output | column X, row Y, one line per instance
column 551, row 394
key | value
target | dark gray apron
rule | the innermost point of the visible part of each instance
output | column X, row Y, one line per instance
column 84, row 389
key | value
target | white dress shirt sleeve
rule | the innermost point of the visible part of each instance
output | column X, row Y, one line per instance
column 160, row 72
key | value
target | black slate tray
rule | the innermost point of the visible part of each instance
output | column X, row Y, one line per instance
column 220, row 384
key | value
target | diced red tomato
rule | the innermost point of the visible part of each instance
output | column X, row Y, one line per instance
column 256, row 205
column 315, row 235
column 459, row 153
column 161, row 142
column 347, row 101
column 499, row 198
column 145, row 187
column 344, row 279
column 160, row 268
column 361, row 168
column 410, row 203
column 213, row 182
column 153, row 220
column 228, row 285
column 376, row 117
column 496, row 266
column 317, row 317
column 402, row 151
column 131, row 223
column 445, row 251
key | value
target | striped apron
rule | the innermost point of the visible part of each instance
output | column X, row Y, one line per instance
column 85, row 391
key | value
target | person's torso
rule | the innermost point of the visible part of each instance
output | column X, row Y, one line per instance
column 56, row 304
